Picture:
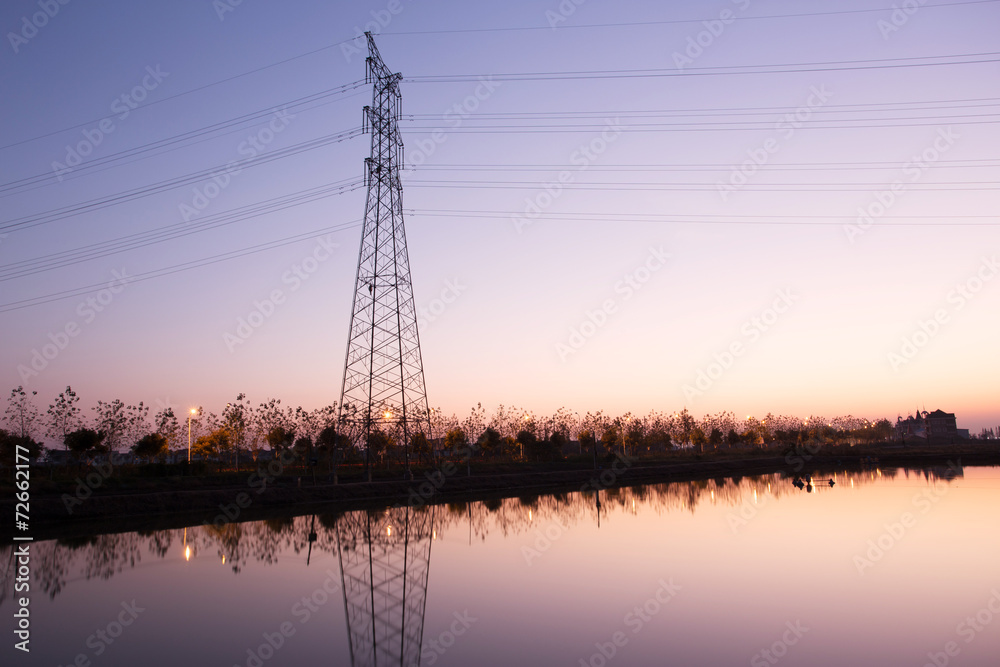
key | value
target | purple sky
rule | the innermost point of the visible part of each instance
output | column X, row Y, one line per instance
column 738, row 228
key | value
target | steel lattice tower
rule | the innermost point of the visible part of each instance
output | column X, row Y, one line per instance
column 384, row 564
column 383, row 385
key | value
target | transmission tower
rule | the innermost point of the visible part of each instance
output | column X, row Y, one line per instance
column 383, row 387
column 384, row 564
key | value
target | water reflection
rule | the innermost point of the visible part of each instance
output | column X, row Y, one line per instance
column 384, row 556
column 384, row 563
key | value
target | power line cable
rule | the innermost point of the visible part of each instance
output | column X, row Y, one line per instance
column 583, row 26
column 138, row 240
column 778, row 68
column 177, row 268
column 184, row 136
column 169, row 184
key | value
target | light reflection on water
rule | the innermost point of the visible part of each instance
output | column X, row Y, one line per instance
column 881, row 567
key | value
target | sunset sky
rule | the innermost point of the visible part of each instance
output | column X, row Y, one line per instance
column 785, row 207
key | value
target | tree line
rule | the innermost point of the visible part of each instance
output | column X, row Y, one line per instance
column 242, row 429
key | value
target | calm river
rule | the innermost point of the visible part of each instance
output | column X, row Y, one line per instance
column 884, row 568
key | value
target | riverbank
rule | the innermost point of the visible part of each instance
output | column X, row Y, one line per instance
column 62, row 511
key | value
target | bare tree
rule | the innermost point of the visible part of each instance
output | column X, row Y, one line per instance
column 21, row 413
column 64, row 416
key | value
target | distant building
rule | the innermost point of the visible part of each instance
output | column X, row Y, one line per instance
column 937, row 426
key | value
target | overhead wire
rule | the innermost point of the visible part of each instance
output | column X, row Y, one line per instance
column 177, row 268
column 211, row 129
column 145, row 239
column 52, row 215
column 623, row 24
column 708, row 219
column 720, row 70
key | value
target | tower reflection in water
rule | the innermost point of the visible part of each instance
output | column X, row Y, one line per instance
column 384, row 563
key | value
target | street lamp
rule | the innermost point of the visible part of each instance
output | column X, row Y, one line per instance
column 193, row 412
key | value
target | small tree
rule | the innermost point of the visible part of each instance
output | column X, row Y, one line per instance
column 151, row 445
column 715, row 438
column 168, row 427
column 455, row 440
column 378, row 443
column 10, row 442
column 610, row 438
column 212, row 444
column 21, row 413
column 111, row 419
column 490, row 443
column 527, row 441
column 279, row 438
column 63, row 415
column 558, row 440
column 420, row 446
column 84, row 441
column 698, row 439
column 237, row 418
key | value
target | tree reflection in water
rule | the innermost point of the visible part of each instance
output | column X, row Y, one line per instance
column 58, row 563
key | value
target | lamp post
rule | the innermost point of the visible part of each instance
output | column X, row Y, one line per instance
column 191, row 415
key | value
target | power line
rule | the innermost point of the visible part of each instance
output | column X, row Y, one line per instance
column 703, row 167
column 169, row 184
column 182, row 137
column 703, row 187
column 732, row 126
column 176, row 95
column 708, row 219
column 635, row 114
column 778, row 68
column 138, row 240
column 582, row 26
column 177, row 268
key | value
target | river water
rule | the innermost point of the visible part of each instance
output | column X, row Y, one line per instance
column 885, row 567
